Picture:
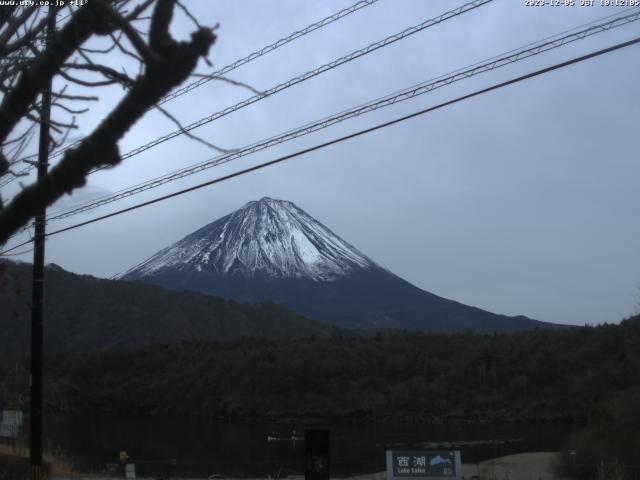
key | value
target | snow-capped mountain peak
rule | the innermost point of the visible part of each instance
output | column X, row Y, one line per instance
column 267, row 237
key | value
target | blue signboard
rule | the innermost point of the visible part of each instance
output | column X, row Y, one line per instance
column 423, row 464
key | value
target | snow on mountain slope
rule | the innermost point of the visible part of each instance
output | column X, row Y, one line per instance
column 272, row 251
column 268, row 237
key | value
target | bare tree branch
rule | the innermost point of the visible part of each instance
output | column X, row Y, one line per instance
column 68, row 109
column 235, row 83
column 189, row 134
column 189, row 15
column 86, row 83
column 118, row 42
column 169, row 65
column 13, row 25
column 82, row 25
column 136, row 40
column 105, row 71
column 31, row 35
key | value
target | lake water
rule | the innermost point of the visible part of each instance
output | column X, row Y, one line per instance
column 194, row 447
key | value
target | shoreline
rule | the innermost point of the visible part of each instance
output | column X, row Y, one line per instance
column 521, row 466
column 352, row 418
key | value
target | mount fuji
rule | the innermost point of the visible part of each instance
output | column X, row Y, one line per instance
column 271, row 250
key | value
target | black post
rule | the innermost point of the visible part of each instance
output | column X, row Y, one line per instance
column 317, row 459
column 35, row 437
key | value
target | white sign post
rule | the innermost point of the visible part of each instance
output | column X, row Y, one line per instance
column 130, row 471
column 8, row 430
column 11, row 423
column 12, row 417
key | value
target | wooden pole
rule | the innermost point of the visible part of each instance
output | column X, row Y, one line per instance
column 37, row 298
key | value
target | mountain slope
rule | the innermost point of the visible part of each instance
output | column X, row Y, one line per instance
column 84, row 313
column 269, row 237
column 271, row 250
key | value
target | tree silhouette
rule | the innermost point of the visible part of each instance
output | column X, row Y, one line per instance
column 30, row 56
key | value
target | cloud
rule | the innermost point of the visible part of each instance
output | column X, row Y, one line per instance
column 87, row 193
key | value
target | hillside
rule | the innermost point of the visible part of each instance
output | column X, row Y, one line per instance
column 84, row 313
column 583, row 374
column 272, row 250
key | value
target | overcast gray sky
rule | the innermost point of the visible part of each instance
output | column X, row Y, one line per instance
column 521, row 201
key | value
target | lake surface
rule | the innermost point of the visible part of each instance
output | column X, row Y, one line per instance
column 194, row 447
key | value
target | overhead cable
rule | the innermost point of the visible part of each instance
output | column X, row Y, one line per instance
column 232, row 66
column 269, row 48
column 344, row 138
column 406, row 94
column 310, row 74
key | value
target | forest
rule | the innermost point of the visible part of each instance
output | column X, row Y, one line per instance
column 582, row 374
column 587, row 376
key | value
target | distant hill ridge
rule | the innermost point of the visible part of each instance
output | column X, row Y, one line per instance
column 84, row 313
column 271, row 250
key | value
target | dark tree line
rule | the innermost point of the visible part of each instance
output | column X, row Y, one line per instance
column 586, row 374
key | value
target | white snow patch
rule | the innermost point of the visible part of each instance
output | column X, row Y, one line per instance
column 272, row 237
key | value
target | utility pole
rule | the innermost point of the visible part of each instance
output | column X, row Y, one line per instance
column 37, row 298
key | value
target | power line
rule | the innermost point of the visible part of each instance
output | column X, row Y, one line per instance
column 15, row 247
column 310, row 74
column 24, row 252
column 232, row 66
column 346, row 137
column 511, row 56
column 269, row 48
column 298, row 79
column 406, row 94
